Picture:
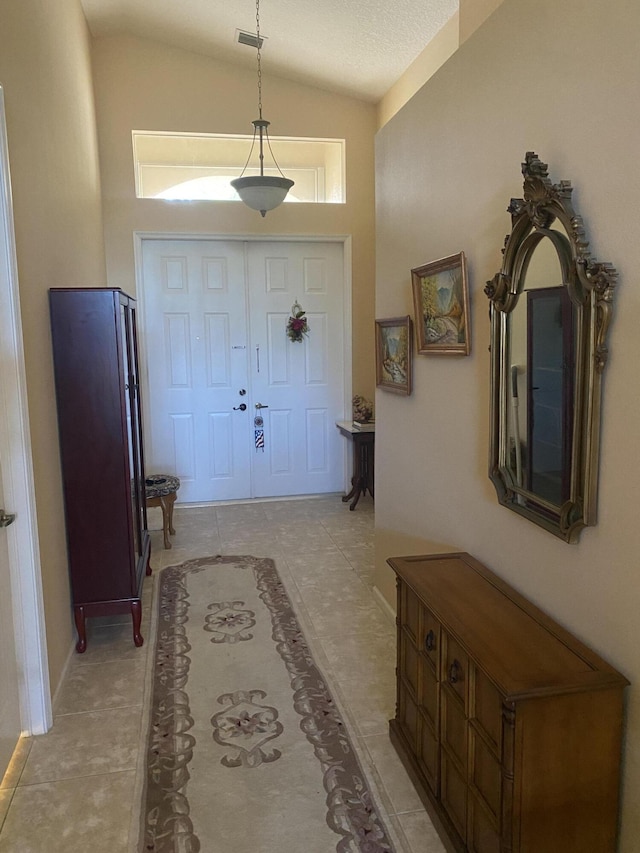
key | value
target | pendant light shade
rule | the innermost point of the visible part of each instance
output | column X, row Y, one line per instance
column 261, row 192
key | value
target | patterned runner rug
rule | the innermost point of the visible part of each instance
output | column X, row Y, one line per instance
column 247, row 751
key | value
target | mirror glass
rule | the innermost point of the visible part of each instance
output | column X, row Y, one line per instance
column 540, row 390
column 547, row 358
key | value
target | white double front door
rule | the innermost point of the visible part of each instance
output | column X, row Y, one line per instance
column 234, row 407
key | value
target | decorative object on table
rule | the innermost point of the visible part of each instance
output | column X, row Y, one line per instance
column 393, row 354
column 261, row 192
column 441, row 302
column 236, row 693
column 161, row 492
column 362, row 410
column 297, row 326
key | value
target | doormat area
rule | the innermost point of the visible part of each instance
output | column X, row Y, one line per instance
column 247, row 750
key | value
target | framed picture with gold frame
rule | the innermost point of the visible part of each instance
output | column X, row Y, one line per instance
column 441, row 303
column 394, row 348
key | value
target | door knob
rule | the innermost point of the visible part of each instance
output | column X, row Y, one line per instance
column 242, row 407
column 260, row 406
column 6, row 518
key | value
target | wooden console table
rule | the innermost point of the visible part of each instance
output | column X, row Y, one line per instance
column 510, row 727
column 363, row 461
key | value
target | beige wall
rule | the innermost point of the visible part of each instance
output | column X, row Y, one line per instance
column 440, row 48
column 471, row 14
column 46, row 76
column 141, row 85
column 561, row 79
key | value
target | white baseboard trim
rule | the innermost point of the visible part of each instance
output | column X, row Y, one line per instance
column 387, row 609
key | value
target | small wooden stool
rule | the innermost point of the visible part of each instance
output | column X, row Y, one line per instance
column 161, row 491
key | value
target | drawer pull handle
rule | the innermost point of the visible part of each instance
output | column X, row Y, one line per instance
column 430, row 641
column 455, row 672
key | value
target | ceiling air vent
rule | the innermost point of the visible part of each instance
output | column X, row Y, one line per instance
column 250, row 39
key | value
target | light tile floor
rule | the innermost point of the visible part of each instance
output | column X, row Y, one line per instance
column 72, row 789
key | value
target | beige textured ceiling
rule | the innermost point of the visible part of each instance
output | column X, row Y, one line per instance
column 357, row 47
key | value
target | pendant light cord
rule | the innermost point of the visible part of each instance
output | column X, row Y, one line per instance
column 259, row 57
column 260, row 127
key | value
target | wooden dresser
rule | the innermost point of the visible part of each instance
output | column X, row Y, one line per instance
column 510, row 727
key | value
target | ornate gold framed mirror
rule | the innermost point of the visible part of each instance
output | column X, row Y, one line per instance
column 550, row 314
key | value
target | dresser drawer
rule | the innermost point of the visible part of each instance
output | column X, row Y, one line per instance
column 430, row 634
column 453, row 795
column 482, row 833
column 428, row 753
column 410, row 608
column 409, row 660
column 428, row 694
column 408, row 716
column 486, row 708
column 453, row 727
column 456, row 667
column 485, row 774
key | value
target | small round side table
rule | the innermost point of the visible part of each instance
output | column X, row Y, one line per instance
column 161, row 491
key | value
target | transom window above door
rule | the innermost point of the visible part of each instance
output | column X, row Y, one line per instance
column 192, row 166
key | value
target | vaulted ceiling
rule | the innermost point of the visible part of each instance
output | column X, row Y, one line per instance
column 356, row 47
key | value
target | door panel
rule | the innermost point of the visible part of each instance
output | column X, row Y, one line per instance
column 302, row 383
column 215, row 315
column 196, row 351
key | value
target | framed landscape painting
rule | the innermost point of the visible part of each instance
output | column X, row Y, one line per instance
column 441, row 302
column 393, row 354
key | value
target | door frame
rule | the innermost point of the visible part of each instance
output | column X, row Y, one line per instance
column 17, row 479
column 344, row 239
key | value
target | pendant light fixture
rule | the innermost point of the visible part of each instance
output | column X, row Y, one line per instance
column 261, row 192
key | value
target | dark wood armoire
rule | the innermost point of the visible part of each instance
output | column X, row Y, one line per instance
column 95, row 357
